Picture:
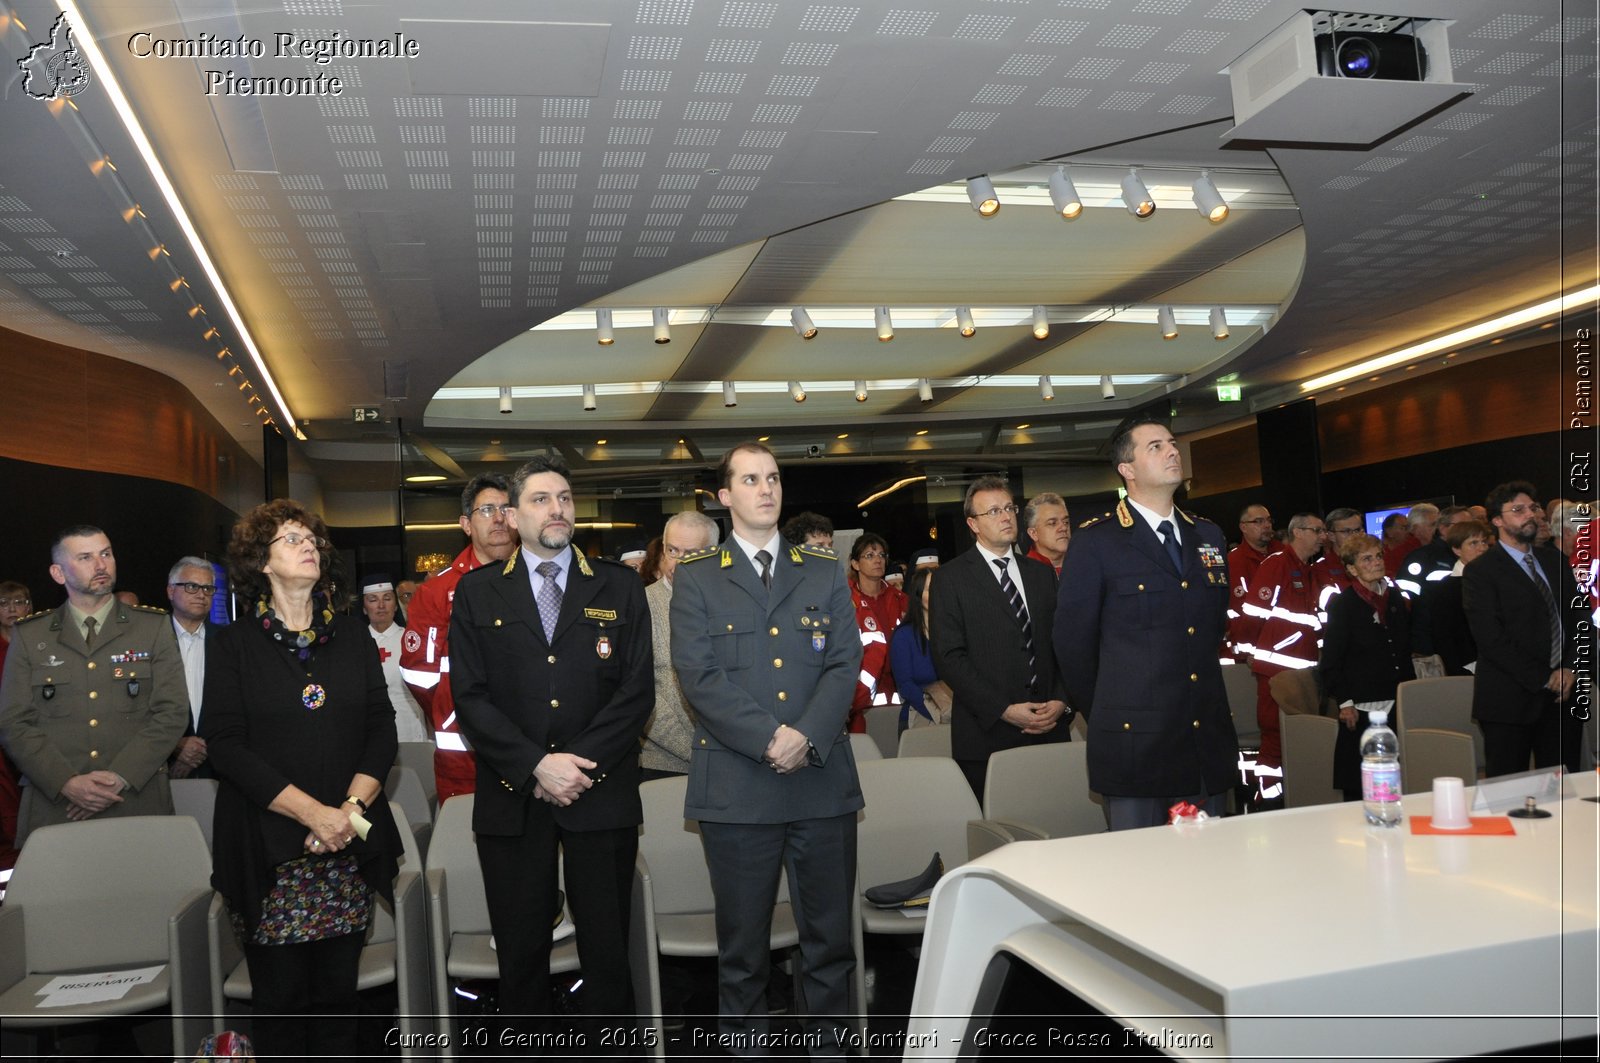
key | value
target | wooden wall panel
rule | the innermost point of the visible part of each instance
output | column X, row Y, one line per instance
column 74, row 409
column 1227, row 461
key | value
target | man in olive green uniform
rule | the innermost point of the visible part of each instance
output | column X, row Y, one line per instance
column 93, row 699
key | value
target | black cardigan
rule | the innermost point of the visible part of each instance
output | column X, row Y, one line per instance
column 260, row 737
column 1363, row 660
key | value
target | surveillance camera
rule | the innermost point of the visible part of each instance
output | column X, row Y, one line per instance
column 814, row 450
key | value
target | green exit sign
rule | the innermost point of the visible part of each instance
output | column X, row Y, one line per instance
column 366, row 414
column 1230, row 392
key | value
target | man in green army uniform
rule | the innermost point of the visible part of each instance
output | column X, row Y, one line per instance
column 93, row 700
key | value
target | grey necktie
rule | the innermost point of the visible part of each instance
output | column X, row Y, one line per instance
column 766, row 568
column 1550, row 609
column 549, row 598
column 88, row 632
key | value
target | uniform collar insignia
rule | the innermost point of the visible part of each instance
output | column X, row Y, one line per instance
column 727, row 559
column 511, row 563
column 583, row 562
column 1124, row 516
column 794, row 555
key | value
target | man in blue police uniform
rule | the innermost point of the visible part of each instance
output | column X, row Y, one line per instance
column 764, row 641
column 93, row 700
column 552, row 677
column 1139, row 624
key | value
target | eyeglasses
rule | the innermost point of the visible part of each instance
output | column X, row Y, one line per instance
column 873, row 555
column 1314, row 531
column 207, row 589
column 1344, row 531
column 295, row 539
column 21, row 602
column 489, row 511
column 993, row 512
column 1523, row 507
column 1257, row 520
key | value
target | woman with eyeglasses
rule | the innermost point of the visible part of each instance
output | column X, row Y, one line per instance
column 1447, row 619
column 301, row 733
column 1366, row 653
column 880, row 606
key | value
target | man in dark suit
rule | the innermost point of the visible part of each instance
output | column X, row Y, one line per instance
column 989, row 619
column 1519, row 601
column 191, row 583
column 1144, row 606
column 551, row 671
column 764, row 641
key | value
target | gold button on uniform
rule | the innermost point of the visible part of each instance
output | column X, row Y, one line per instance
column 730, row 627
column 777, row 662
column 497, row 621
column 1193, row 678
column 1184, row 584
column 702, row 741
column 94, row 754
column 1196, row 725
column 773, row 632
column 1141, row 586
column 94, row 723
column 1191, row 631
column 93, row 694
column 91, row 666
column 783, row 695
column 550, row 659
column 554, row 704
column 1127, row 727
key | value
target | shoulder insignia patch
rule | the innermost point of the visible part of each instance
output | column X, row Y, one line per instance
column 511, row 564
column 149, row 609
column 697, row 555
column 817, row 551
column 34, row 616
column 1124, row 516
column 794, row 555
column 1185, row 514
column 727, row 560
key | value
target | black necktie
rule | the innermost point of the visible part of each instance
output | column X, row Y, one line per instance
column 1550, row 609
column 1169, row 539
column 766, row 568
column 1019, row 607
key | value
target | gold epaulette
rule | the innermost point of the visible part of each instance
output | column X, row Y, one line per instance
column 708, row 551
column 815, row 551
column 149, row 609
column 34, row 616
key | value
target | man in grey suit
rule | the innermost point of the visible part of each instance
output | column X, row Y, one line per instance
column 93, row 700
column 764, row 641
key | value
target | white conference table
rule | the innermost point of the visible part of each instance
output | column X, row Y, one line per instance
column 1294, row 933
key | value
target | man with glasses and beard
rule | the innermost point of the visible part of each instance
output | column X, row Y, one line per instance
column 1519, row 603
column 552, row 672
column 990, row 622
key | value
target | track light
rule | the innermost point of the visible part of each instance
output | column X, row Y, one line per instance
column 802, row 323
column 885, row 326
column 964, row 322
column 924, row 390
column 1219, row 323
column 1207, row 200
column 1169, row 323
column 663, row 332
column 505, row 400
column 602, row 328
column 861, row 391
column 1064, row 195
column 730, row 396
column 1041, row 324
column 1108, row 390
column 588, row 397
column 1136, row 197
column 796, row 392
column 1047, row 389
column 980, row 190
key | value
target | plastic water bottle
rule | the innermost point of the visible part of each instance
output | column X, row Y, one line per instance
column 1380, row 772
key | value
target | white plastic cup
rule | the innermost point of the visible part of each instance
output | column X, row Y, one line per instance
column 1450, row 804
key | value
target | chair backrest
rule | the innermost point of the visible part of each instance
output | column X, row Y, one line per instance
column 1432, row 754
column 883, row 724
column 405, row 790
column 418, row 756
column 98, row 894
column 1240, row 683
column 196, row 798
column 865, row 747
column 930, row 741
column 1045, row 787
column 453, row 850
column 1443, row 703
column 381, row 928
column 671, row 847
column 1308, row 743
column 915, row 807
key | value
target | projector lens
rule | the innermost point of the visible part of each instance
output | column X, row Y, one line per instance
column 1357, row 58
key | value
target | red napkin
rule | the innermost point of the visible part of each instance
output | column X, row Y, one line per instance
column 1480, row 825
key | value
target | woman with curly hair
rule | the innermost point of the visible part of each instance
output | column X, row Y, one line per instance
column 300, row 732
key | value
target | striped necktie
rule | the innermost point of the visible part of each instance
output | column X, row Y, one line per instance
column 1018, row 606
column 1551, row 611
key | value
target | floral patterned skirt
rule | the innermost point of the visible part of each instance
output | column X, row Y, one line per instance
column 314, row 897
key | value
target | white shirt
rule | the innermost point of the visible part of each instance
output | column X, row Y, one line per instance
column 409, row 726
column 1152, row 518
column 774, row 546
column 192, row 648
column 1010, row 558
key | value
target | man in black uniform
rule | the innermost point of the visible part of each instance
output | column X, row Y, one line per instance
column 551, row 670
column 1140, row 620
